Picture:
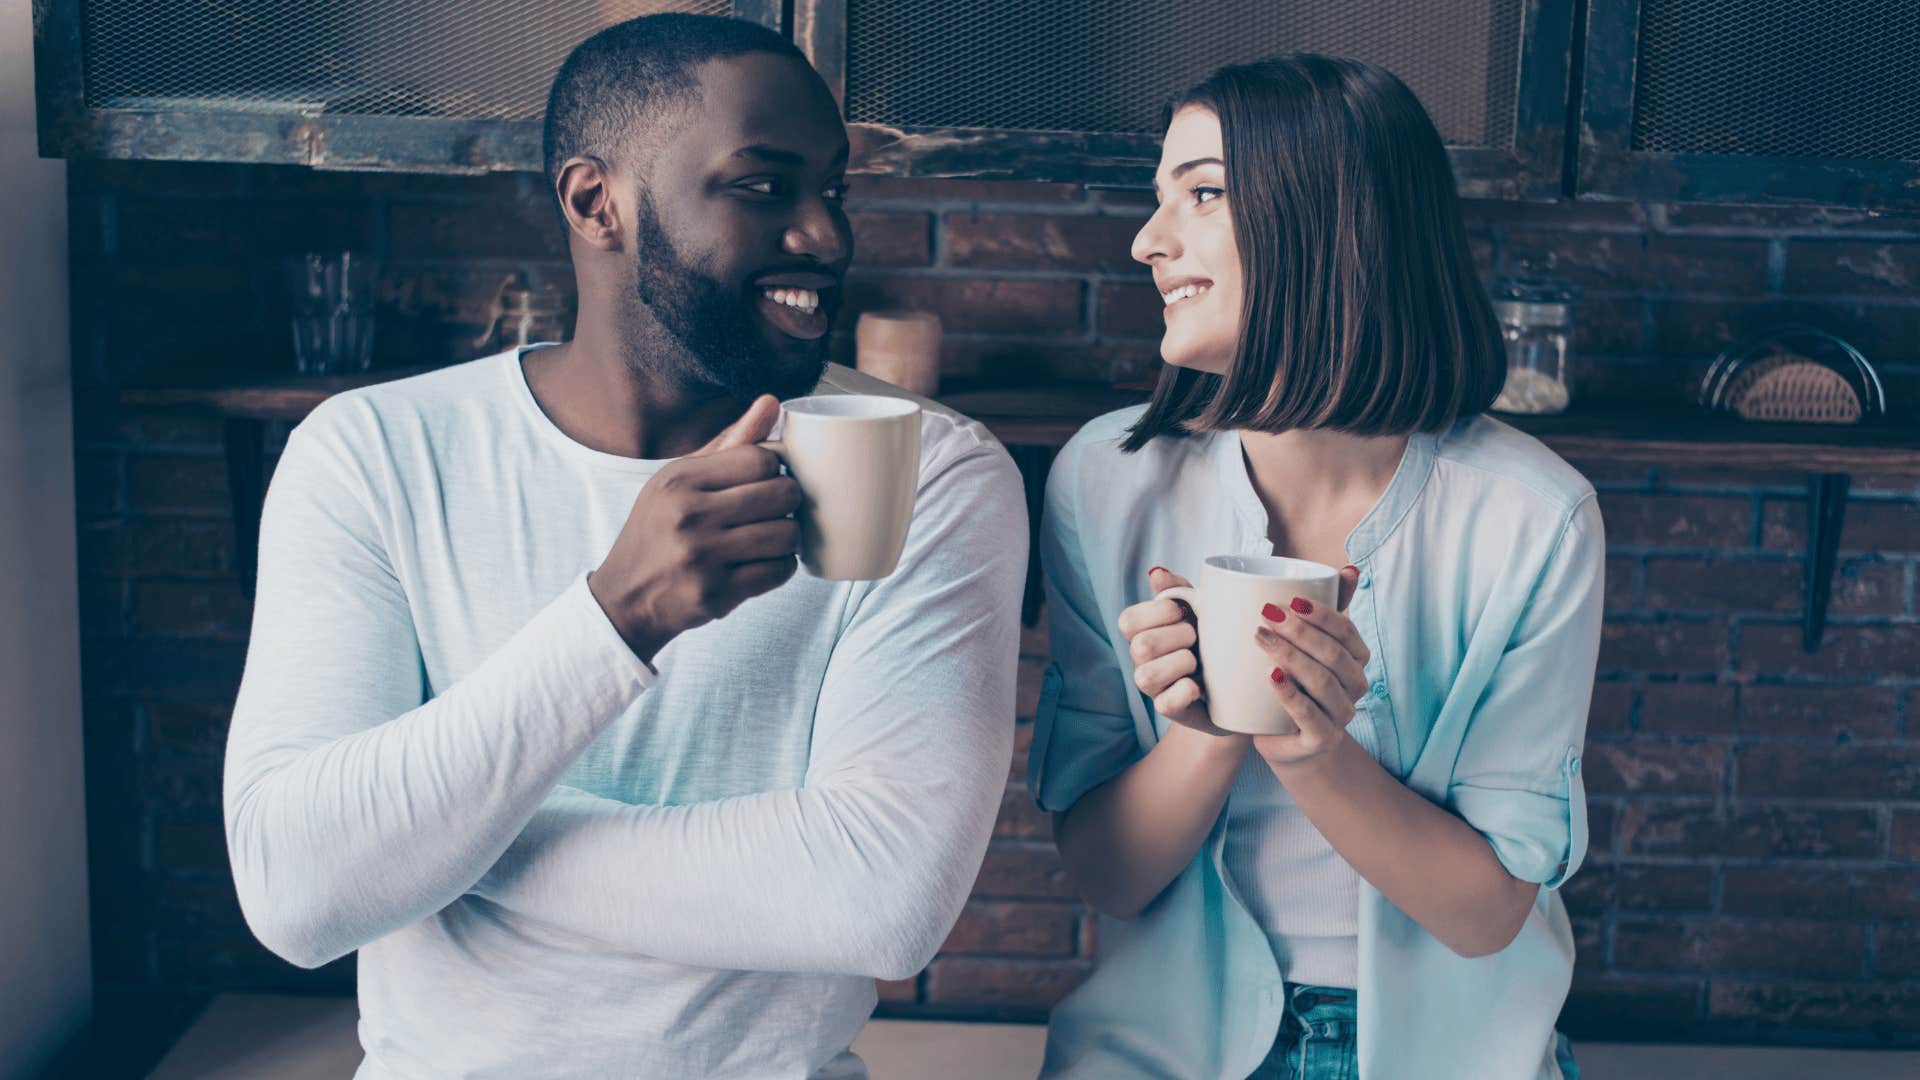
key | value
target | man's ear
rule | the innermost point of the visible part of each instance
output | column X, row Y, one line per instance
column 585, row 190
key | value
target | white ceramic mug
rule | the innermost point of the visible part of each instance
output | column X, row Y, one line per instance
column 856, row 458
column 1236, row 674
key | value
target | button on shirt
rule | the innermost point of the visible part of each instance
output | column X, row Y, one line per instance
column 1481, row 573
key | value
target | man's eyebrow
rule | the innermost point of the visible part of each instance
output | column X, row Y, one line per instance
column 1178, row 170
column 772, row 154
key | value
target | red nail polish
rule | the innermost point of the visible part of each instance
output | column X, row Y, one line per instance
column 1273, row 614
column 1348, row 567
column 1157, row 570
column 1302, row 605
column 1279, row 676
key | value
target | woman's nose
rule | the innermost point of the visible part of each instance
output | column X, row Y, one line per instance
column 1154, row 240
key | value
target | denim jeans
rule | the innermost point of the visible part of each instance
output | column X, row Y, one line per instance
column 1318, row 1039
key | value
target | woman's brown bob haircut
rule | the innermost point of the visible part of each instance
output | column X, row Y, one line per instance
column 1361, row 312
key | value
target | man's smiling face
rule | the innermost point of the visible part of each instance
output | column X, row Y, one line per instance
column 741, row 245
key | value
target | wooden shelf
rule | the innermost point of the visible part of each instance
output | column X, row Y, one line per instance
column 1035, row 420
column 1048, row 414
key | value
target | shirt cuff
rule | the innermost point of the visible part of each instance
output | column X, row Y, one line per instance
column 598, row 631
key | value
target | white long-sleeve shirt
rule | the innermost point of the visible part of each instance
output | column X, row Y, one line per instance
column 552, row 861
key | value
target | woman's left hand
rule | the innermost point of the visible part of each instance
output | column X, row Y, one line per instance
column 1319, row 674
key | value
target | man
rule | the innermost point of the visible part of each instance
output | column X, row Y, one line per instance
column 537, row 714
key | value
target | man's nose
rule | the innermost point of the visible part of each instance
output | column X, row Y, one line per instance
column 819, row 233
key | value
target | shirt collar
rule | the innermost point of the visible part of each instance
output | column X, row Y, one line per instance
column 1416, row 464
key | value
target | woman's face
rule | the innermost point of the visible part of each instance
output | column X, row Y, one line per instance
column 1188, row 242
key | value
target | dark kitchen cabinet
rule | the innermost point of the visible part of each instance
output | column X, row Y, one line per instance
column 344, row 84
column 1075, row 90
column 1752, row 101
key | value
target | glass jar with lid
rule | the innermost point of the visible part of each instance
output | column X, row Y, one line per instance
column 1536, row 321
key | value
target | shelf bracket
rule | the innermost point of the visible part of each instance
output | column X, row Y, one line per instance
column 1826, row 513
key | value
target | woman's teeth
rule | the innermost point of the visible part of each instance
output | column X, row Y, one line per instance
column 804, row 299
column 1176, row 295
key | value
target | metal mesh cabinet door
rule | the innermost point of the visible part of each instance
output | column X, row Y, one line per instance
column 1074, row 89
column 1753, row 100
column 354, row 83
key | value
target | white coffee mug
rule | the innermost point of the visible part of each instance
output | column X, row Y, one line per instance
column 1236, row 674
column 856, row 458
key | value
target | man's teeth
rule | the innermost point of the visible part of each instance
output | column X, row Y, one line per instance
column 1176, row 295
column 803, row 299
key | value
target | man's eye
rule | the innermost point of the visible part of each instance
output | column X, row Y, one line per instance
column 1206, row 194
column 764, row 186
column 834, row 192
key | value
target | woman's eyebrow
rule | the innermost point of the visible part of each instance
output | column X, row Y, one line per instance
column 1194, row 164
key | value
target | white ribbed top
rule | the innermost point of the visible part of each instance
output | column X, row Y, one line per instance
column 1303, row 894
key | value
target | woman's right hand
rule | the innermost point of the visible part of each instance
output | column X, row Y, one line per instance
column 1161, row 638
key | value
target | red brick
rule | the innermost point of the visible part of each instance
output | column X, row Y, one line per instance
column 1874, row 525
column 1830, row 772
column 1683, row 521
column 1897, row 951
column 1008, row 191
column 1589, row 260
column 1590, row 891
column 1804, row 949
column 1031, row 873
column 1733, row 584
column 203, row 609
column 1816, row 1005
column 1664, row 888
column 1009, row 362
column 1031, row 671
column 1563, row 216
column 1589, row 946
column 975, row 305
column 1697, row 264
column 526, row 228
column 1868, row 586
column 1853, row 268
column 177, row 484
column 1095, row 242
column 1686, row 708
column 1774, row 649
column 189, row 730
column 1600, row 1005
column 1818, row 712
column 1905, row 840
column 1704, row 327
column 1786, row 219
column 1657, row 827
column 1664, row 648
column 1027, row 984
column 1014, row 929
column 1777, row 830
column 1621, row 575
column 883, row 239
column 166, row 547
column 1819, row 892
column 1022, row 745
column 1612, row 710
column 1131, row 310
column 1599, row 829
column 98, row 487
column 1020, row 818
column 1608, row 326
column 194, row 850
column 1643, row 768
column 898, row 991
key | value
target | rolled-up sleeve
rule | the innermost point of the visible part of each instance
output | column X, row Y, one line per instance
column 1517, row 778
column 1083, row 732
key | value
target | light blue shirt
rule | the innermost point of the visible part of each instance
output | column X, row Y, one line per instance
column 1480, row 596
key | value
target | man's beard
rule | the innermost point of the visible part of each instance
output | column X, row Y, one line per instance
column 720, row 342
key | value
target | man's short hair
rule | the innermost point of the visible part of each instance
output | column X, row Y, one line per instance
column 617, row 85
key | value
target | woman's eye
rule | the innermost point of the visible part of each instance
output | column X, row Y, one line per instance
column 1206, row 194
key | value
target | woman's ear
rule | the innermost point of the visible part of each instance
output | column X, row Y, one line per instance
column 585, row 191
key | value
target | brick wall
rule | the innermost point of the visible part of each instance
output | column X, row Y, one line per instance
column 1755, row 810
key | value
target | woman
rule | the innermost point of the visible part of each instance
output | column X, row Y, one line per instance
column 1373, row 895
